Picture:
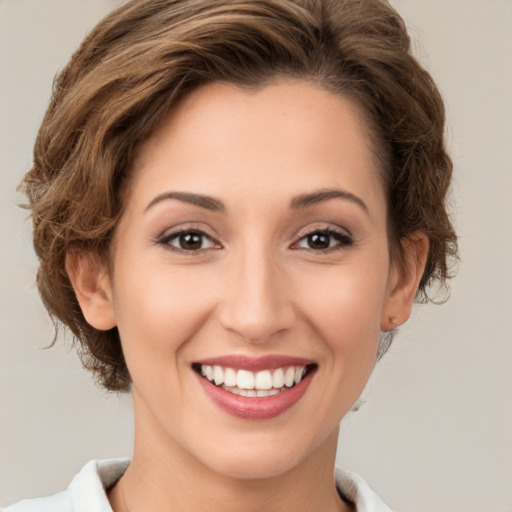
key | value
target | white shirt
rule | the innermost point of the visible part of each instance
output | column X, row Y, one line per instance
column 86, row 492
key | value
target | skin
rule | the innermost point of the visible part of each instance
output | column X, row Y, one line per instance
column 257, row 286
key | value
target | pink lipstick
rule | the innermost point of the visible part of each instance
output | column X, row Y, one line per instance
column 255, row 388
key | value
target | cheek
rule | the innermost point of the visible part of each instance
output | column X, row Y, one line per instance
column 158, row 310
column 344, row 304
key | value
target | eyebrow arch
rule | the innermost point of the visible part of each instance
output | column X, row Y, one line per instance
column 207, row 202
column 306, row 200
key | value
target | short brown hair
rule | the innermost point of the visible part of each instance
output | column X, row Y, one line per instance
column 146, row 55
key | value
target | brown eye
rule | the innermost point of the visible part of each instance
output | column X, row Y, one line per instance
column 191, row 241
column 319, row 241
column 325, row 240
column 188, row 241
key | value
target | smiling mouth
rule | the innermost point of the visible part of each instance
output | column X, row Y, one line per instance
column 258, row 384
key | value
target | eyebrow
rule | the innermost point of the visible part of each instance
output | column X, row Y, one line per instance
column 206, row 202
column 300, row 202
column 306, row 200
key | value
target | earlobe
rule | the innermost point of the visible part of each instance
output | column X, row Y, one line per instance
column 92, row 287
column 404, row 280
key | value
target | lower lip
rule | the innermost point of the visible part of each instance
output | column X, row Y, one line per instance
column 256, row 408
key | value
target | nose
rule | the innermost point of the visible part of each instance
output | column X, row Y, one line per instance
column 257, row 303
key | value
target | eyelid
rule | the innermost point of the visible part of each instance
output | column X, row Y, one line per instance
column 343, row 236
column 169, row 234
column 323, row 227
column 329, row 230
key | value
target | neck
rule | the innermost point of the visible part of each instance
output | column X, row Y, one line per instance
column 164, row 477
column 146, row 488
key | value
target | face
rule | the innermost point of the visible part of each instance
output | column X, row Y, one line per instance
column 252, row 259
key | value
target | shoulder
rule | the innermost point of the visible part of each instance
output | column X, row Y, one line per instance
column 86, row 492
column 354, row 489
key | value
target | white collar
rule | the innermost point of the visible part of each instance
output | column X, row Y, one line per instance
column 87, row 491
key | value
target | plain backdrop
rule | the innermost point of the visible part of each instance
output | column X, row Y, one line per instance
column 434, row 434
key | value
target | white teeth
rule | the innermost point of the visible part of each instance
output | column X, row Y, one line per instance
column 278, row 379
column 254, row 384
column 245, row 379
column 218, row 375
column 252, row 392
column 264, row 380
column 289, row 377
column 299, row 372
column 230, row 377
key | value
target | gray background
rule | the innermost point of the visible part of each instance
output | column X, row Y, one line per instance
column 435, row 432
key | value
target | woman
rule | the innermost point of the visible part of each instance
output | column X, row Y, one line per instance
column 235, row 205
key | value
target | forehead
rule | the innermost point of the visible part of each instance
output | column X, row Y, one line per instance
column 281, row 138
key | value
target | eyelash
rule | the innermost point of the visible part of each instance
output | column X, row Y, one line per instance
column 344, row 240
column 175, row 235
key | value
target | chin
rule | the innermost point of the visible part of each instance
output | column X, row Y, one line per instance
column 257, row 459
column 256, row 468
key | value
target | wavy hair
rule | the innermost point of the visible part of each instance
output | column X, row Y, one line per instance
column 148, row 54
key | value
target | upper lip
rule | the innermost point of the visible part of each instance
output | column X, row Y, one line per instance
column 254, row 364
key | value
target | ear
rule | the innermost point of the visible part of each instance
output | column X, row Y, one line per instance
column 93, row 289
column 404, row 279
